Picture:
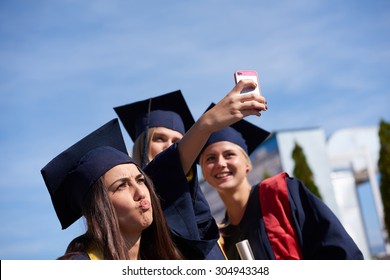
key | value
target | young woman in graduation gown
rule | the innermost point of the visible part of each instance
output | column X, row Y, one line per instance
column 279, row 216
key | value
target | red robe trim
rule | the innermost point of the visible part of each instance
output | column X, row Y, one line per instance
column 277, row 215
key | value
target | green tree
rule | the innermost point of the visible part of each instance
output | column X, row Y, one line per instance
column 266, row 175
column 384, row 170
column 302, row 170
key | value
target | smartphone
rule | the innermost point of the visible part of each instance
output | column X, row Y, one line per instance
column 251, row 75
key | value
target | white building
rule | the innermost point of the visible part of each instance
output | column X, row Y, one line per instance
column 354, row 154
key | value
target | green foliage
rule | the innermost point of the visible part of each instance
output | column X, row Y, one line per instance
column 266, row 175
column 384, row 170
column 302, row 170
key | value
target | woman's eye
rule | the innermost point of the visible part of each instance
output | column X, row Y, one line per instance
column 141, row 180
column 120, row 187
column 158, row 138
column 210, row 159
column 229, row 155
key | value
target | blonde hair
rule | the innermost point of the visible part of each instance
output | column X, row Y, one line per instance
column 139, row 147
column 248, row 160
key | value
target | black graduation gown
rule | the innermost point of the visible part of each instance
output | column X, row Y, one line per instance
column 318, row 232
column 185, row 207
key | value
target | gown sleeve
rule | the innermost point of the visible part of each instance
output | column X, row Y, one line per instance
column 321, row 234
column 185, row 207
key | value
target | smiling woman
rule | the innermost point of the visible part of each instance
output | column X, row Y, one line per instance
column 279, row 217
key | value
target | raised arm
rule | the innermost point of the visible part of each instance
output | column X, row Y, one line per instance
column 232, row 108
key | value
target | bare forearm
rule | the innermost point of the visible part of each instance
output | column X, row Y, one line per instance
column 232, row 108
column 192, row 143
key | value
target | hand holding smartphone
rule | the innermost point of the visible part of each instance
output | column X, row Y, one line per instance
column 248, row 75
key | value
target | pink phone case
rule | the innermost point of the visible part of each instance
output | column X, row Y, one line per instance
column 248, row 74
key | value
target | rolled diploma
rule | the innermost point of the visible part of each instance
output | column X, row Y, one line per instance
column 244, row 249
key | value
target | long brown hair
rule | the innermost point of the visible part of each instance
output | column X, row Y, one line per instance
column 103, row 229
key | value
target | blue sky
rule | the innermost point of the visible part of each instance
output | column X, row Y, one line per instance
column 65, row 64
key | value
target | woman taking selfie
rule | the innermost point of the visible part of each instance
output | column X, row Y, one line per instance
column 279, row 216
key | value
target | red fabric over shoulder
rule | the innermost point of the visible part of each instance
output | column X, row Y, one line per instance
column 278, row 218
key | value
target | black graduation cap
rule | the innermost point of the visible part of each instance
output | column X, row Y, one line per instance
column 242, row 133
column 169, row 110
column 70, row 175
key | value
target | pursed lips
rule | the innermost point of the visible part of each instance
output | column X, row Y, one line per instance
column 144, row 205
